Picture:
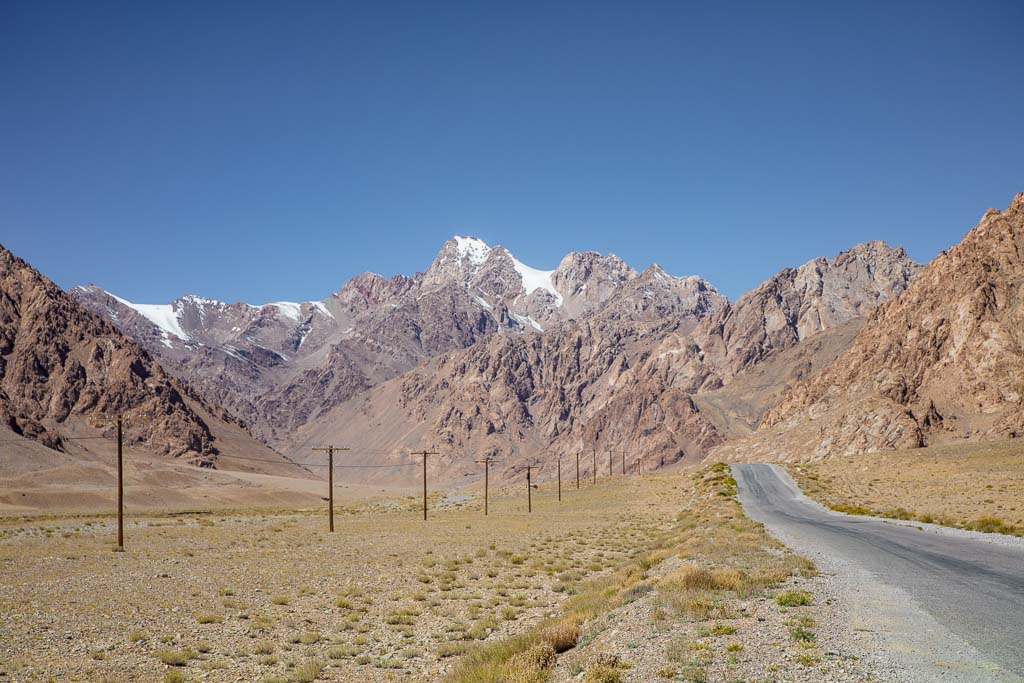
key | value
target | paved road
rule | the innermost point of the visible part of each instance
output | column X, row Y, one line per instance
column 970, row 586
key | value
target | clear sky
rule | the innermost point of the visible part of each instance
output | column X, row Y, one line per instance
column 265, row 151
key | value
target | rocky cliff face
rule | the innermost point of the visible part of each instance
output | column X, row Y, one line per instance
column 945, row 360
column 788, row 308
column 621, row 376
column 60, row 365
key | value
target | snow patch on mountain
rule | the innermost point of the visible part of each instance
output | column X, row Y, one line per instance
column 320, row 307
column 525, row 320
column 534, row 279
column 288, row 309
column 164, row 316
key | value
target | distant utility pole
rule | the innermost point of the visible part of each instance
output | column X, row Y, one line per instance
column 577, row 470
column 529, row 467
column 424, row 454
column 610, row 470
column 595, row 464
column 486, row 462
column 330, row 480
column 559, row 479
column 119, row 420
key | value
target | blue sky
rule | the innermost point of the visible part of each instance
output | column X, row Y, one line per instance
column 263, row 151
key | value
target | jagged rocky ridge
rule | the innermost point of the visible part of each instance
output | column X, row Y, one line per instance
column 944, row 361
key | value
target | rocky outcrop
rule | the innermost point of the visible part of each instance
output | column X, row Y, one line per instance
column 945, row 360
column 788, row 308
column 60, row 365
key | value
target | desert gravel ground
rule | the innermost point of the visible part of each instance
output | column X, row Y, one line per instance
column 258, row 596
column 270, row 596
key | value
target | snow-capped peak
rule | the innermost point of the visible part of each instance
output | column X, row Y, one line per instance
column 476, row 250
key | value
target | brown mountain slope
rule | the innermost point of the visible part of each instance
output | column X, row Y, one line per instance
column 943, row 361
column 623, row 377
column 61, row 364
column 787, row 308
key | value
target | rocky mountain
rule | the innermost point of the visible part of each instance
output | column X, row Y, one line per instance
column 945, row 360
column 61, row 364
column 280, row 365
column 623, row 376
column 788, row 308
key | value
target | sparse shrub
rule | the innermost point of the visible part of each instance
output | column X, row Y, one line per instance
column 174, row 676
column 793, row 598
column 802, row 634
column 174, row 657
column 342, row 651
column 807, row 659
column 601, row 672
column 531, row 665
column 308, row 672
column 992, row 525
column 562, row 635
column 450, row 650
column 635, row 592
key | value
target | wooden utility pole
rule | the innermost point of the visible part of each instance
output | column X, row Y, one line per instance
column 595, row 464
column 330, row 480
column 119, row 420
column 486, row 462
column 424, row 454
column 529, row 490
column 577, row 470
column 529, row 467
column 559, row 479
column 610, row 470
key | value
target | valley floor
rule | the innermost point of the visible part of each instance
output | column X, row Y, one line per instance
column 631, row 578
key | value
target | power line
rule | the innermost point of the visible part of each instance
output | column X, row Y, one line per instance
column 312, row 464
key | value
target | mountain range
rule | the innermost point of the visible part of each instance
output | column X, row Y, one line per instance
column 482, row 354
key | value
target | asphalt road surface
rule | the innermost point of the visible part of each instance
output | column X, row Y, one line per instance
column 972, row 588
